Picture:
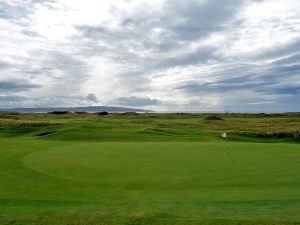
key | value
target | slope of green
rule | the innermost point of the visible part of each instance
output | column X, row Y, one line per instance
column 170, row 182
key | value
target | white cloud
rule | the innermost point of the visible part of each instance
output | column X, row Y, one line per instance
column 148, row 50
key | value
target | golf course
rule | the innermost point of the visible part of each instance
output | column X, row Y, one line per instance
column 148, row 168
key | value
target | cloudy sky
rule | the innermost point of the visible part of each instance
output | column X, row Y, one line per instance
column 166, row 55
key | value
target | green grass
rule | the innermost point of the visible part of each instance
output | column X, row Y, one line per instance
column 148, row 169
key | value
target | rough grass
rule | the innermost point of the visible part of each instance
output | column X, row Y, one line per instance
column 149, row 126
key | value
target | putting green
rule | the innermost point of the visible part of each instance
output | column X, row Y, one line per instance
column 252, row 169
column 161, row 181
column 126, row 163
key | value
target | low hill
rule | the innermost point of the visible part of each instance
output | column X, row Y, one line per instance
column 75, row 109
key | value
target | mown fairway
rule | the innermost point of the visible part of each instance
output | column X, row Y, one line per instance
column 46, row 179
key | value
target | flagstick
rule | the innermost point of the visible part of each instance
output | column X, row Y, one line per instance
column 227, row 149
column 224, row 135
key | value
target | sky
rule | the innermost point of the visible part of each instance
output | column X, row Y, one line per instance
column 162, row 55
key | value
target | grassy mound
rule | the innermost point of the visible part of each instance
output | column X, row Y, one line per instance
column 212, row 118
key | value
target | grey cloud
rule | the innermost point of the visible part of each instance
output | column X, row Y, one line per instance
column 30, row 33
column 66, row 71
column 292, row 59
column 13, row 85
column 282, row 73
column 62, row 60
column 12, row 98
column 136, row 101
column 280, row 88
column 147, row 41
column 10, row 101
column 59, row 71
column 261, row 80
column 179, row 22
column 271, row 81
column 3, row 65
column 10, row 12
column 94, row 32
column 15, row 12
column 135, row 81
column 200, row 55
column 293, row 69
column 227, row 85
column 192, row 19
column 234, row 80
column 292, row 90
column 120, row 51
column 92, row 97
column 280, row 51
column 281, row 103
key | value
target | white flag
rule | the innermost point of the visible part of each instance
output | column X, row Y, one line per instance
column 224, row 135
